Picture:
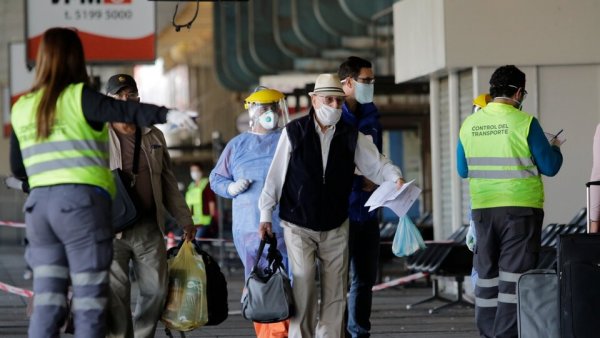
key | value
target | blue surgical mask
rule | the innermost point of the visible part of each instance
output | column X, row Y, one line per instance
column 363, row 92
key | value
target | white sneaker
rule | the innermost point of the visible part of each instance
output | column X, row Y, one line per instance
column 28, row 274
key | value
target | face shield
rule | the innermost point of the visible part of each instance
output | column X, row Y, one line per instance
column 267, row 117
column 267, row 110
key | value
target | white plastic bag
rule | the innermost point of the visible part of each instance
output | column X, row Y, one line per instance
column 407, row 239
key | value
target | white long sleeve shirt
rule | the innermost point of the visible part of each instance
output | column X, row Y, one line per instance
column 367, row 158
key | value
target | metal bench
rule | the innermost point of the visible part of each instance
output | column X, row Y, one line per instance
column 450, row 258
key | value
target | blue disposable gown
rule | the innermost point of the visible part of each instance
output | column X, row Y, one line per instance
column 248, row 156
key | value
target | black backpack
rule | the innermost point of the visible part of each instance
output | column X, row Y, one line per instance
column 216, row 286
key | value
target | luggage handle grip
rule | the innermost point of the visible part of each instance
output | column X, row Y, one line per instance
column 588, row 184
column 587, row 204
column 272, row 248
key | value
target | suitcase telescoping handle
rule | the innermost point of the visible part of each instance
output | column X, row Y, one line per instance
column 587, row 203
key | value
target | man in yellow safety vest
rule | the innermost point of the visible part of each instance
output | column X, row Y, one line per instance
column 503, row 152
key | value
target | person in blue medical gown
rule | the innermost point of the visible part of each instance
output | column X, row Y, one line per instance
column 240, row 174
column 241, row 170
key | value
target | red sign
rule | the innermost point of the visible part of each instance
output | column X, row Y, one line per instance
column 112, row 31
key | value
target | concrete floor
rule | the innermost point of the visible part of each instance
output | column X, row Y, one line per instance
column 390, row 318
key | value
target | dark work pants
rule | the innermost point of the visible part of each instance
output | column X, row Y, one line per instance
column 364, row 257
column 508, row 244
column 70, row 236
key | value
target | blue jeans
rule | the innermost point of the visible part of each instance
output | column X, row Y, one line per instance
column 202, row 232
column 364, row 257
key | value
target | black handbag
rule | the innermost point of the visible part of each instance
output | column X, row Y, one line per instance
column 268, row 297
column 124, row 210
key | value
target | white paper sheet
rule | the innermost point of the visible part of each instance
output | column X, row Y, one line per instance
column 561, row 137
column 399, row 201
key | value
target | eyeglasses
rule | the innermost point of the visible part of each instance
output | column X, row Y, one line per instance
column 366, row 80
column 331, row 99
column 517, row 88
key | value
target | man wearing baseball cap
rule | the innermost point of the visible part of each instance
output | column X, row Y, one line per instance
column 121, row 81
column 311, row 179
column 154, row 185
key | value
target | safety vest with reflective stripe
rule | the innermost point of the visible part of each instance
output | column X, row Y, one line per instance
column 193, row 197
column 501, row 168
column 74, row 153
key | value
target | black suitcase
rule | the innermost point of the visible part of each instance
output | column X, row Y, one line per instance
column 579, row 279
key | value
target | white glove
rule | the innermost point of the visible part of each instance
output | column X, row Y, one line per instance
column 13, row 183
column 471, row 239
column 181, row 119
column 238, row 186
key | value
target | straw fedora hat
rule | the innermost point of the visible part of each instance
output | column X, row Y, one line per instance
column 328, row 85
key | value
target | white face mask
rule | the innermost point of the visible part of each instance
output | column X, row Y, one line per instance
column 327, row 115
column 363, row 92
column 268, row 120
column 196, row 175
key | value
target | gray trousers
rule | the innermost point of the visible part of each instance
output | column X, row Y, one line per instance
column 144, row 246
column 508, row 244
column 70, row 236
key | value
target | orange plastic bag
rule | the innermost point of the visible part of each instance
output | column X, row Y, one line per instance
column 186, row 307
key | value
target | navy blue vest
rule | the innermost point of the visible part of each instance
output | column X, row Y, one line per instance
column 311, row 198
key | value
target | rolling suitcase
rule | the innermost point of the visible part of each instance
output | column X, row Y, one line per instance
column 579, row 279
column 537, row 304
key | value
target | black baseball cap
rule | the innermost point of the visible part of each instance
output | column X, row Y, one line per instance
column 118, row 82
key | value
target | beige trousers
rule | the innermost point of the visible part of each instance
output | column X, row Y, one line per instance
column 145, row 247
column 305, row 247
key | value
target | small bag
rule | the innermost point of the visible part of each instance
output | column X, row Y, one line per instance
column 186, row 307
column 124, row 211
column 407, row 239
column 268, row 297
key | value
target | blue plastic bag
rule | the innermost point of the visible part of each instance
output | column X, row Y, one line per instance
column 407, row 239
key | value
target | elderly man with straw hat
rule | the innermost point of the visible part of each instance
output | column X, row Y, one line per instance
column 311, row 180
